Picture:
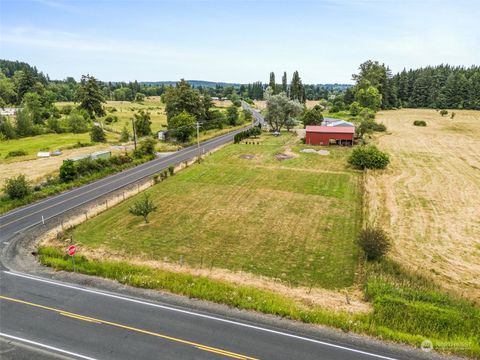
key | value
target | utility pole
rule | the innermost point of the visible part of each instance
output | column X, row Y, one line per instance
column 198, row 139
column 134, row 134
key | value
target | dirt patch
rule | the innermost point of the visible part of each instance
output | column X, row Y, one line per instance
column 313, row 151
column 286, row 155
column 282, row 157
column 247, row 156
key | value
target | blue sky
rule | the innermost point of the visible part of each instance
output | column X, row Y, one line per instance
column 236, row 41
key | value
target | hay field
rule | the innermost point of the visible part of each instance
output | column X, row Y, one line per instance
column 429, row 198
column 242, row 209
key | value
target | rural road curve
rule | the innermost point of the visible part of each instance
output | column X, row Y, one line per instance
column 45, row 319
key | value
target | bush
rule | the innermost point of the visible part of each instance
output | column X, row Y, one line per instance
column 68, row 171
column 17, row 187
column 420, row 123
column 97, row 134
column 143, row 207
column 147, row 146
column 7, row 129
column 77, row 122
column 66, row 110
column 355, row 108
column 15, row 153
column 253, row 131
column 312, row 116
column 171, row 170
column 125, row 135
column 119, row 160
column 443, row 112
column 374, row 242
column 368, row 157
column 111, row 119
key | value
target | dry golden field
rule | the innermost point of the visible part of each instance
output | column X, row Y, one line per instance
column 429, row 198
column 262, row 104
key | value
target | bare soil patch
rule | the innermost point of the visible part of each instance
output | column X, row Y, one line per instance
column 247, row 156
column 283, row 156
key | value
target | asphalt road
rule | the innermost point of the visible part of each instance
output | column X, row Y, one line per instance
column 87, row 323
column 22, row 219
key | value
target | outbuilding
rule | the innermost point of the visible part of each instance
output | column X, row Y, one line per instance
column 326, row 135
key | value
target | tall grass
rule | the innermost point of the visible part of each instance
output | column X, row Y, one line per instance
column 400, row 313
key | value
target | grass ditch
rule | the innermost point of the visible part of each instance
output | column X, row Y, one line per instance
column 405, row 308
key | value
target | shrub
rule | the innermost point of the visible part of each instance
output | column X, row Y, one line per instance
column 97, row 134
column 452, row 115
column 15, row 153
column 368, row 157
column 147, row 146
column 77, row 122
column 88, row 166
column 111, row 119
column 374, row 242
column 379, row 127
column 119, row 160
column 125, row 135
column 420, row 123
column 232, row 115
column 443, row 112
column 253, row 131
column 7, row 129
column 355, row 108
column 68, row 171
column 312, row 116
column 367, row 114
column 66, row 110
column 171, row 170
column 143, row 207
column 17, row 187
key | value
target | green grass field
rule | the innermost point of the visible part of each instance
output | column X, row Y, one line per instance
column 126, row 109
column 294, row 220
column 46, row 142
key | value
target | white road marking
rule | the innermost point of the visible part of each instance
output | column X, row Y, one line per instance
column 46, row 346
column 210, row 317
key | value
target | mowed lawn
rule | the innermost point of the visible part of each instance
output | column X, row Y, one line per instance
column 32, row 145
column 294, row 220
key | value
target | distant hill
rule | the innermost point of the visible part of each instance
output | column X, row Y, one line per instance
column 212, row 84
column 194, row 83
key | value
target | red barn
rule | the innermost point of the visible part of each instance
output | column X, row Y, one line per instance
column 324, row 135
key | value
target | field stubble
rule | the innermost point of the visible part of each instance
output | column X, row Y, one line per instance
column 429, row 197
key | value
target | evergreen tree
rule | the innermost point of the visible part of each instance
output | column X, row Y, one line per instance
column 285, row 83
column 297, row 92
column 90, row 96
column 271, row 83
column 474, row 91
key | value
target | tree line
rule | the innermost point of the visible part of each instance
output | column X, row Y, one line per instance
column 437, row 87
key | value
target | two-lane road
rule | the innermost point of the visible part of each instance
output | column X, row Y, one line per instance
column 23, row 218
column 91, row 324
